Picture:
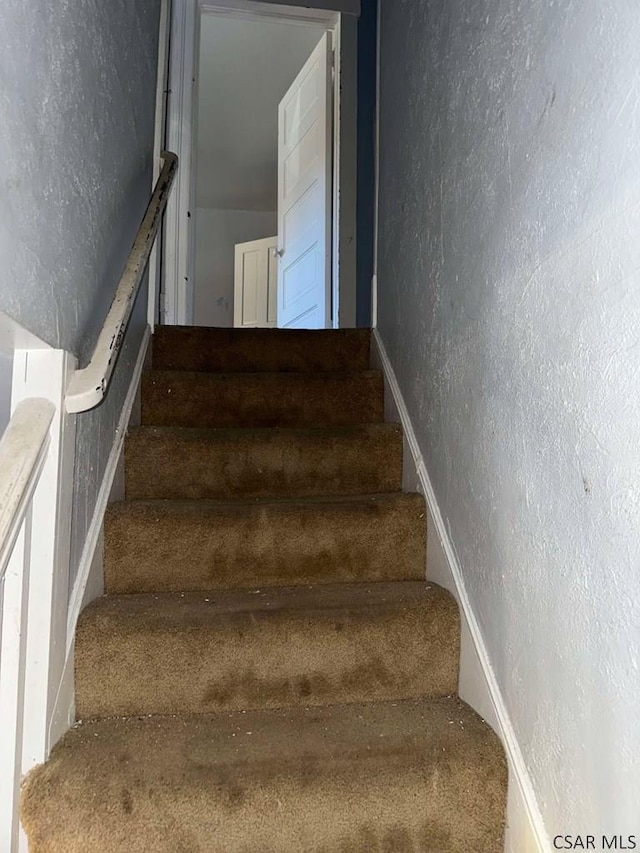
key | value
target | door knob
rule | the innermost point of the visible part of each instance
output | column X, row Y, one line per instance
column 278, row 253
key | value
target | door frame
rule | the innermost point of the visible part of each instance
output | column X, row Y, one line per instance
column 180, row 222
column 154, row 304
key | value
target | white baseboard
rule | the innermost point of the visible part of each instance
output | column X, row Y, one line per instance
column 89, row 580
column 63, row 716
column 477, row 684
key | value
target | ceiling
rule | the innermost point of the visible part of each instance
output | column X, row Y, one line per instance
column 246, row 67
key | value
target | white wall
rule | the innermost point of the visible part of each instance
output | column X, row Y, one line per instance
column 246, row 68
column 510, row 308
column 217, row 232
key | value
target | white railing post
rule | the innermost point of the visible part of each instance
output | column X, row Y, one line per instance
column 14, row 597
column 23, row 456
column 45, row 373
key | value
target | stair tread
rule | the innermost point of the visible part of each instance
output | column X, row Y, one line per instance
column 267, row 433
column 246, row 506
column 139, row 611
column 429, row 774
column 289, row 377
column 265, row 647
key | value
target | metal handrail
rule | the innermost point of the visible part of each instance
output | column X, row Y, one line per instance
column 88, row 386
column 23, row 452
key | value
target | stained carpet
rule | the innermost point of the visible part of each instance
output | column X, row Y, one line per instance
column 268, row 670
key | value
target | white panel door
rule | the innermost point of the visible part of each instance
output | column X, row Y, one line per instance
column 304, row 195
column 255, row 282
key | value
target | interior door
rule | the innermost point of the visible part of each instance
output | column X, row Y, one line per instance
column 254, row 290
column 304, row 195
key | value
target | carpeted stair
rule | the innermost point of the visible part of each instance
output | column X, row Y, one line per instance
column 268, row 671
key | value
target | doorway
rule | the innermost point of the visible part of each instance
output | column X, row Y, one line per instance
column 223, row 123
column 246, row 67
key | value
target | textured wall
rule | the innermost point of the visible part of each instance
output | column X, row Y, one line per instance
column 510, row 307
column 77, row 85
column 217, row 232
column 77, row 99
column 95, row 433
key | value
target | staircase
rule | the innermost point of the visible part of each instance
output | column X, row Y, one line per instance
column 268, row 670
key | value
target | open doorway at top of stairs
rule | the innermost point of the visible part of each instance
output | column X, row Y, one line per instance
column 194, row 211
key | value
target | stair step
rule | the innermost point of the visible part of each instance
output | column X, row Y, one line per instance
column 252, row 350
column 170, row 463
column 268, row 670
column 423, row 776
column 180, row 398
column 241, row 649
column 178, row 546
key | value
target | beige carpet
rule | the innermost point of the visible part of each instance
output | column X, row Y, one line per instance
column 224, row 464
column 264, row 543
column 181, row 398
column 268, row 671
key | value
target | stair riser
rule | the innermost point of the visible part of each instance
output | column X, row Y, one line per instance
column 272, row 400
column 154, row 549
column 266, row 661
column 174, row 466
column 263, row 350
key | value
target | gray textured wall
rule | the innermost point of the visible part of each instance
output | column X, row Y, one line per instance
column 76, row 115
column 77, row 99
column 95, row 434
column 510, row 307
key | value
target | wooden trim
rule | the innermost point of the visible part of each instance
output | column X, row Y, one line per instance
column 345, row 171
column 265, row 10
column 179, row 229
column 162, row 85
